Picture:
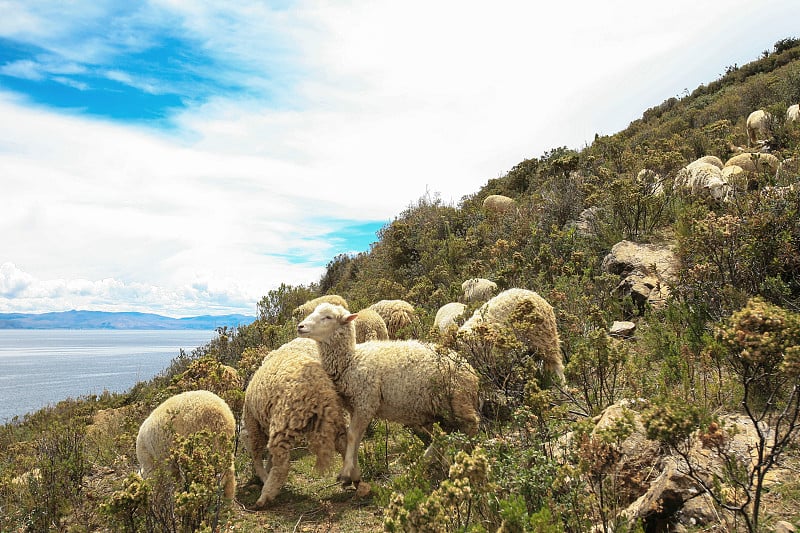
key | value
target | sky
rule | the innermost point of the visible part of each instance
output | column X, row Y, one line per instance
column 185, row 157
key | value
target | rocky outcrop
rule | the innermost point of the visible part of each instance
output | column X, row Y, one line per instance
column 646, row 271
column 656, row 487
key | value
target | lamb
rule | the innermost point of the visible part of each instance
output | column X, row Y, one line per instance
column 397, row 314
column 289, row 399
column 447, row 315
column 478, row 289
column 408, row 382
column 182, row 415
column 793, row 113
column 505, row 308
column 498, row 204
column 370, row 326
column 301, row 311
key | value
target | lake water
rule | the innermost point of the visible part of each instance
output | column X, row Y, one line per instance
column 42, row 367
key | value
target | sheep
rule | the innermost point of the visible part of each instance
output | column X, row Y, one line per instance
column 370, row 326
column 301, row 311
column 754, row 162
column 704, row 180
column 182, row 415
column 477, row 289
column 447, row 315
column 759, row 127
column 397, row 314
column 650, row 182
column 504, row 310
column 409, row 382
column 793, row 113
column 291, row 398
column 711, row 159
column 498, row 204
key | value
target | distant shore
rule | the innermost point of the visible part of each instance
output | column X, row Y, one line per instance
column 118, row 320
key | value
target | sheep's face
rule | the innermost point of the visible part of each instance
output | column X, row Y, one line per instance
column 324, row 322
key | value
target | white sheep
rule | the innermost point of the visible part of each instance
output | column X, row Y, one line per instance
column 703, row 180
column 759, row 127
column 650, row 182
column 370, row 326
column 711, row 159
column 397, row 314
column 301, row 311
column 447, row 315
column 498, row 204
column 514, row 304
column 478, row 289
column 793, row 113
column 182, row 415
column 291, row 399
column 408, row 382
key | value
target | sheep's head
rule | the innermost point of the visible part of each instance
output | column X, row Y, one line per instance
column 323, row 323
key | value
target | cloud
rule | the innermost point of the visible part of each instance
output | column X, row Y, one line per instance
column 285, row 135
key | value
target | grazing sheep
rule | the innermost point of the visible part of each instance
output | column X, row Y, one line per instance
column 397, row 314
column 711, row 159
column 731, row 171
column 447, row 315
column 370, row 326
column 650, row 182
column 291, row 399
column 498, row 204
column 759, row 127
column 182, row 415
column 793, row 113
column 478, row 289
column 755, row 162
column 704, row 180
column 301, row 311
column 504, row 310
column 408, row 382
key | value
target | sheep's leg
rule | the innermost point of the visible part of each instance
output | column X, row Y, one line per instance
column 255, row 442
column 229, row 482
column 351, row 473
column 278, row 473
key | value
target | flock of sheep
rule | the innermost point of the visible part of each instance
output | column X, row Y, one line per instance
column 344, row 370
column 713, row 180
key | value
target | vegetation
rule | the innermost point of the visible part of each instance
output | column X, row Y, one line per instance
column 726, row 342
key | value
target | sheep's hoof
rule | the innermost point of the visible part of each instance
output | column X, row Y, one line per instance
column 347, row 482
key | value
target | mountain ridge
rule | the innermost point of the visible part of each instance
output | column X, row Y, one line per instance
column 81, row 319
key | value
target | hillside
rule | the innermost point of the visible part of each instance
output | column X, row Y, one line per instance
column 120, row 320
column 689, row 421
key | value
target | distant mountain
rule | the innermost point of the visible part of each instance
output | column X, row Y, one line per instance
column 104, row 320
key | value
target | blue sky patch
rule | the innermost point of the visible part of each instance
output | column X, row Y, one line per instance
column 134, row 85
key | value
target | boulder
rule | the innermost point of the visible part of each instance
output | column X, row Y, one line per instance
column 646, row 272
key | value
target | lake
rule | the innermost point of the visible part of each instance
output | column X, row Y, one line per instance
column 42, row 367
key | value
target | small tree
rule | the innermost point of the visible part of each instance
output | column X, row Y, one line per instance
column 762, row 348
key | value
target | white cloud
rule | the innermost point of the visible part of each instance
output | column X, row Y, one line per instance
column 352, row 111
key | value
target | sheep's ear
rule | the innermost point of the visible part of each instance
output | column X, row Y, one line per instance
column 350, row 318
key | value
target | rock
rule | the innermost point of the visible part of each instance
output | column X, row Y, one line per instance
column 649, row 259
column 622, row 328
column 647, row 271
column 784, row 527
